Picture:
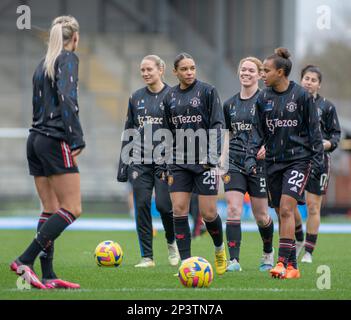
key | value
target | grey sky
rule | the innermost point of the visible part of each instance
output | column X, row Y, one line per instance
column 312, row 19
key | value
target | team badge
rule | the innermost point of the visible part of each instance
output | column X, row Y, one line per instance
column 195, row 102
column 226, row 178
column 162, row 107
column 291, row 106
column 170, row 180
column 269, row 105
column 135, row 175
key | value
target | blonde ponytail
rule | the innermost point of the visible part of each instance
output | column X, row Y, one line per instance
column 54, row 49
column 61, row 33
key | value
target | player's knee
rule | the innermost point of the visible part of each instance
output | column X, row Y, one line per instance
column 313, row 209
column 180, row 209
column 234, row 211
column 261, row 218
column 76, row 210
column 285, row 212
column 209, row 214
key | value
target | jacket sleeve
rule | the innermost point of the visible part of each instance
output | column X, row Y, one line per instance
column 256, row 139
column 122, row 173
column 332, row 127
column 314, row 131
column 216, row 125
column 67, row 90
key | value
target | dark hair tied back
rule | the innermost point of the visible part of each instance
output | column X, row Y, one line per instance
column 312, row 68
column 180, row 57
column 281, row 59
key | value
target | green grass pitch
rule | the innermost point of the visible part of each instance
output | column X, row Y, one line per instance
column 74, row 261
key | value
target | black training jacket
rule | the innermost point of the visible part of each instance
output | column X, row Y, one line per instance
column 239, row 116
column 197, row 108
column 329, row 121
column 55, row 102
column 145, row 109
column 287, row 123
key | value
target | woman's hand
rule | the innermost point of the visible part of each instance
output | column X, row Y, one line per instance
column 75, row 153
column 261, row 154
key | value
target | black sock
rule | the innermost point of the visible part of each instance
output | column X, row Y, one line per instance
column 299, row 233
column 46, row 257
column 50, row 230
column 215, row 230
column 292, row 259
column 266, row 233
column 233, row 232
column 310, row 243
column 168, row 225
column 183, row 236
column 285, row 247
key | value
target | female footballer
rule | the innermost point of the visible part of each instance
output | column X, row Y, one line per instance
column 54, row 142
column 145, row 111
column 193, row 113
column 287, row 124
column 311, row 79
column 239, row 113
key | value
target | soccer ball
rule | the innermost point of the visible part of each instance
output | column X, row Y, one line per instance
column 195, row 272
column 108, row 254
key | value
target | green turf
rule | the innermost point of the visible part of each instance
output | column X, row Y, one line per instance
column 74, row 261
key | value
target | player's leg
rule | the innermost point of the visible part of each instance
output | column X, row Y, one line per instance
column 206, row 186
column 314, row 203
column 50, row 205
column 234, row 201
column 275, row 186
column 67, row 190
column 257, row 188
column 235, row 187
column 180, row 204
column 213, row 221
column 266, row 228
column 299, row 236
column 164, row 207
column 52, row 158
column 295, row 177
column 198, row 224
column 181, row 186
column 142, row 181
column 287, row 247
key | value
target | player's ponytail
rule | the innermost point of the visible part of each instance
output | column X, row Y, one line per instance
column 281, row 59
column 61, row 32
column 282, row 52
column 180, row 57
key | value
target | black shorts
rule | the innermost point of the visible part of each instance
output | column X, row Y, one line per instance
column 193, row 178
column 287, row 178
column 254, row 185
column 48, row 156
column 319, row 185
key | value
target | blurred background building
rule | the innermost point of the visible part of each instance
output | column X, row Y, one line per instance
column 117, row 34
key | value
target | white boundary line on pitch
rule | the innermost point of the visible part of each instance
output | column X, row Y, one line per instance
column 204, row 290
column 27, row 223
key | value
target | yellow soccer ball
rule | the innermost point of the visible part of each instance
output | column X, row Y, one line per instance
column 195, row 272
column 108, row 254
